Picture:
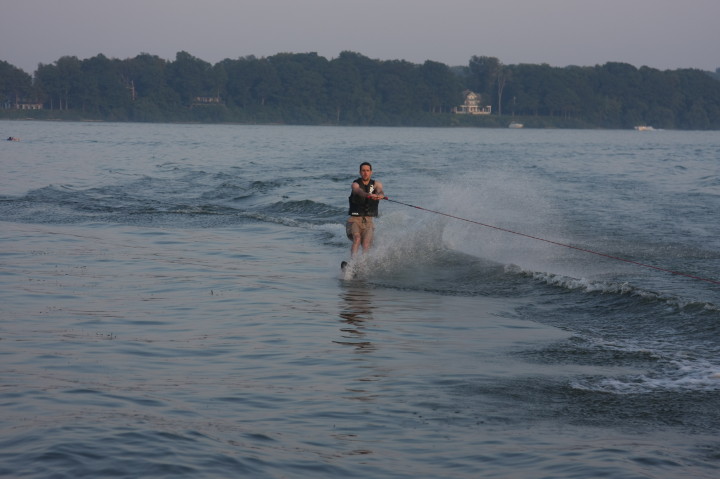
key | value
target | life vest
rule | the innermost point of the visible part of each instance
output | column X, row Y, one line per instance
column 363, row 206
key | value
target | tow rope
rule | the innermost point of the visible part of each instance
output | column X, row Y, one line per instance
column 584, row 250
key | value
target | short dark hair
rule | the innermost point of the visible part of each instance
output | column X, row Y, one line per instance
column 365, row 163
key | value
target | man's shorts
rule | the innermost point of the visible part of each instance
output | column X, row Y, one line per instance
column 359, row 225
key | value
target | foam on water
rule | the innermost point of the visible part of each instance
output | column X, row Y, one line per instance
column 510, row 202
column 677, row 375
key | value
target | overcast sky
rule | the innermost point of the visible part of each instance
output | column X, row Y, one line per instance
column 663, row 34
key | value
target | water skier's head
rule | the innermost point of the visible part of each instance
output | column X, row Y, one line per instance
column 365, row 170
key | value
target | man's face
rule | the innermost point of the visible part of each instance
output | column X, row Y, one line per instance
column 365, row 172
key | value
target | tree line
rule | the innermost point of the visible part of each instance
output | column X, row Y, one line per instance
column 352, row 89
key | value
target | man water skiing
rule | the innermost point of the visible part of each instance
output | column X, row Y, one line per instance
column 364, row 200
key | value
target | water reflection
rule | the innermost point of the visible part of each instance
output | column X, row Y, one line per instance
column 356, row 310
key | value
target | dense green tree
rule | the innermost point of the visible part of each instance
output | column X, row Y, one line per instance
column 355, row 90
column 62, row 82
column 191, row 77
column 301, row 76
column 103, row 88
column 395, row 94
column 252, row 84
column 487, row 77
column 349, row 83
column 15, row 85
column 483, row 73
column 145, row 80
column 439, row 87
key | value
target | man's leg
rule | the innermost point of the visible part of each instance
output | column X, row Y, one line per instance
column 367, row 236
column 356, row 241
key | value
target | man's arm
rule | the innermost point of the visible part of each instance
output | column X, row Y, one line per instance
column 356, row 190
column 378, row 193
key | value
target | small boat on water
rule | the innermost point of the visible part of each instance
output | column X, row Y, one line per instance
column 515, row 124
column 644, row 128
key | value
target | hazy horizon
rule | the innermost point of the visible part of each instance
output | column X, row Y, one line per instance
column 662, row 34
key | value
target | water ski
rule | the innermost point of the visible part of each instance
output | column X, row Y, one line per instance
column 348, row 271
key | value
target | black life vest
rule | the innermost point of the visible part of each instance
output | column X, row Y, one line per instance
column 363, row 206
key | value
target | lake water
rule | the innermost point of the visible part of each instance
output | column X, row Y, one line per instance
column 172, row 304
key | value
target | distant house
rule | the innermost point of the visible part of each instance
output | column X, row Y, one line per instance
column 22, row 105
column 28, row 106
column 472, row 105
column 207, row 100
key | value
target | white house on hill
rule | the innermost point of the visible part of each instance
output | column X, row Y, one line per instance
column 472, row 105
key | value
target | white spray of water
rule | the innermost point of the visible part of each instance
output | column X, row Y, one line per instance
column 408, row 236
column 402, row 239
column 513, row 203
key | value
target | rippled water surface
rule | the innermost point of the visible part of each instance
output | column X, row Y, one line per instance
column 172, row 304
